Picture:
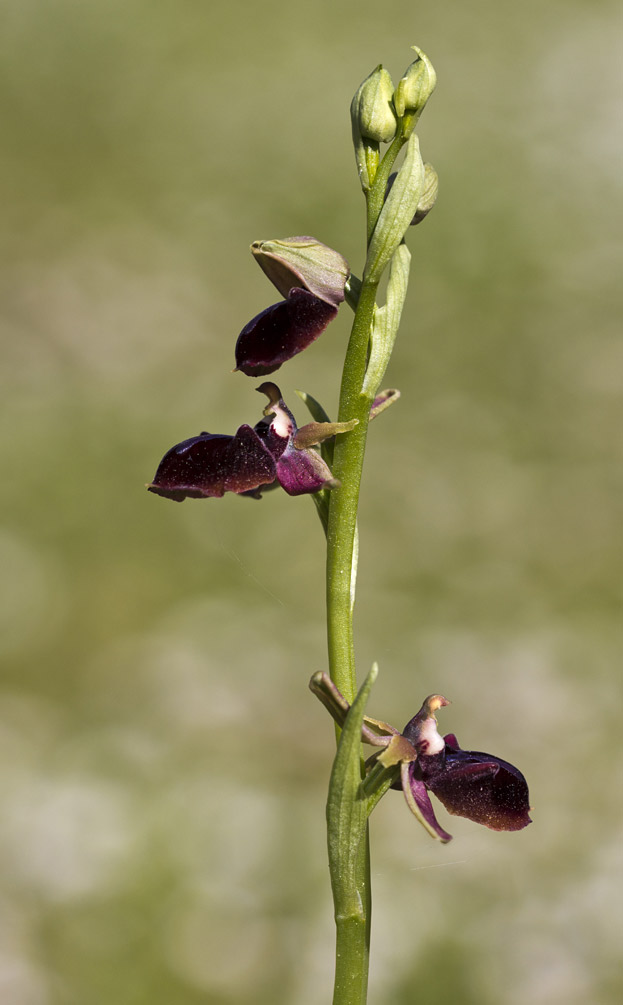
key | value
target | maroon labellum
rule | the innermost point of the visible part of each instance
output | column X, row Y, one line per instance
column 274, row 452
column 281, row 331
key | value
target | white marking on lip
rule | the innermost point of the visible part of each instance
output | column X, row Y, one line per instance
column 282, row 424
column 429, row 734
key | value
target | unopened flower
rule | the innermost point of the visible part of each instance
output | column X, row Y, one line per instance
column 428, row 197
column 273, row 452
column 372, row 112
column 413, row 90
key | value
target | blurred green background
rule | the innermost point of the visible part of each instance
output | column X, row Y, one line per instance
column 163, row 767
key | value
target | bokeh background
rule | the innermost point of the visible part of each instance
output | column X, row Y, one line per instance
column 163, row 767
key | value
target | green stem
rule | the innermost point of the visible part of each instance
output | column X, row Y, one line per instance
column 347, row 467
column 352, row 893
column 352, row 896
column 352, row 947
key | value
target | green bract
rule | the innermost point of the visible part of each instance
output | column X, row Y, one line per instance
column 387, row 320
column 397, row 212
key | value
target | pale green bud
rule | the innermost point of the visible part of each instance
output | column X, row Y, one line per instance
column 373, row 121
column 414, row 89
column 428, row 197
column 371, row 110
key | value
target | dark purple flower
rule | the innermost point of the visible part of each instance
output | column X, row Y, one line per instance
column 281, row 331
column 469, row 783
column 274, row 452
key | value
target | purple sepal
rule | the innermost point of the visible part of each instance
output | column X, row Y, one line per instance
column 478, row 786
column 302, row 471
column 422, row 800
column 208, row 465
column 281, row 331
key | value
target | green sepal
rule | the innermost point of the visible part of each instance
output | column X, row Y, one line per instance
column 387, row 321
column 398, row 210
column 303, row 262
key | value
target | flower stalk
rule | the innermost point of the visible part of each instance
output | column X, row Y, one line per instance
column 351, row 873
column 325, row 459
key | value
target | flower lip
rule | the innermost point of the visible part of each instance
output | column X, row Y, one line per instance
column 281, row 331
column 208, row 465
column 476, row 785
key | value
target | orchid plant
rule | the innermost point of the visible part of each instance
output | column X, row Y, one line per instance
column 324, row 459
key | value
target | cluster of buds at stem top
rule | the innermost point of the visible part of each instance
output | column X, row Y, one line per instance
column 382, row 114
column 379, row 113
column 469, row 783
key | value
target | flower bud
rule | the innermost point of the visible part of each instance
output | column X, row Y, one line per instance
column 371, row 109
column 413, row 90
column 373, row 121
column 428, row 197
column 305, row 263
